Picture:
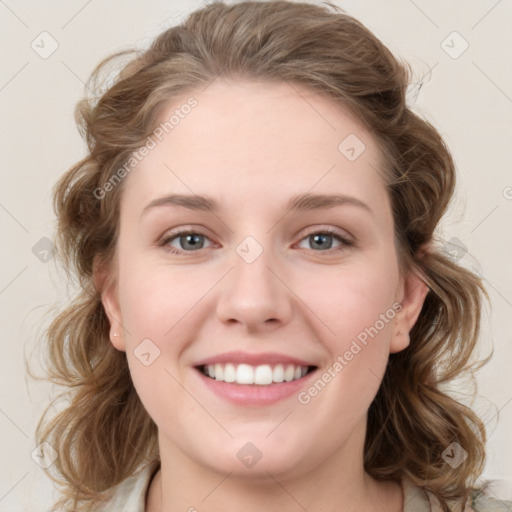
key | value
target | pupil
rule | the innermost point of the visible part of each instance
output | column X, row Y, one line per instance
column 191, row 239
column 316, row 237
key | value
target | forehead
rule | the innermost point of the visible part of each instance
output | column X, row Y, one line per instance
column 253, row 141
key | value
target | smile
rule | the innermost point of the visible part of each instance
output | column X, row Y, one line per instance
column 261, row 375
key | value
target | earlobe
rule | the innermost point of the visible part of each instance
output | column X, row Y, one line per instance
column 414, row 293
column 106, row 286
column 111, row 306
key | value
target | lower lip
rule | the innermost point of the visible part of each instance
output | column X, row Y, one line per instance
column 251, row 394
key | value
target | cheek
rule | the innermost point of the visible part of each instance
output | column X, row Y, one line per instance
column 154, row 307
column 154, row 300
column 357, row 298
column 158, row 308
column 360, row 309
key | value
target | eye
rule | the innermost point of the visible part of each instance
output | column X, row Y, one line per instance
column 188, row 241
column 323, row 240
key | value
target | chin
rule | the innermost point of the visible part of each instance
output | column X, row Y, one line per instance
column 257, row 456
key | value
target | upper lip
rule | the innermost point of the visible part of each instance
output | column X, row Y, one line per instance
column 253, row 359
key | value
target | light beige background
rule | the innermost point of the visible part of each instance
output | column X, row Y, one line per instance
column 469, row 99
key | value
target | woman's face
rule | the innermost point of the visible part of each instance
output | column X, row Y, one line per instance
column 259, row 289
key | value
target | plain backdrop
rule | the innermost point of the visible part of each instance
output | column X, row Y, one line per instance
column 461, row 53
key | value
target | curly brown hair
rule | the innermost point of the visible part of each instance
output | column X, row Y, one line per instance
column 104, row 434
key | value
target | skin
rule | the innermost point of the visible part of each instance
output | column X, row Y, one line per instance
column 251, row 146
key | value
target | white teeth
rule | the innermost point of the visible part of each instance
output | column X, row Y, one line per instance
column 244, row 374
column 262, row 375
column 229, row 373
column 219, row 372
column 278, row 373
column 289, row 373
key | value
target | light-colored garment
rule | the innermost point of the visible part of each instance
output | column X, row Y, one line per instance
column 130, row 496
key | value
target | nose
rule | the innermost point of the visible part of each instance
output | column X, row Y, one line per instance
column 255, row 294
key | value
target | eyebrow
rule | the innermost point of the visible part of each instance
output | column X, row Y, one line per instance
column 301, row 202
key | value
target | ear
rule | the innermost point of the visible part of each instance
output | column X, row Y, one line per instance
column 106, row 285
column 413, row 291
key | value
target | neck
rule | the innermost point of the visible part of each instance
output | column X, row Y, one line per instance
column 184, row 484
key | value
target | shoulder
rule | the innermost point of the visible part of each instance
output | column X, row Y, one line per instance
column 483, row 499
column 492, row 496
column 415, row 498
column 130, row 494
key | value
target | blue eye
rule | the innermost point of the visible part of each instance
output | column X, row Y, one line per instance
column 324, row 240
column 191, row 241
column 188, row 241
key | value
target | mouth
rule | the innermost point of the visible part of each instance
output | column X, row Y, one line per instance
column 255, row 375
column 254, row 379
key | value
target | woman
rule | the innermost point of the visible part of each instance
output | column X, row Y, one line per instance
column 266, row 319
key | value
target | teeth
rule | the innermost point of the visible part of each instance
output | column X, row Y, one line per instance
column 219, row 372
column 244, row 374
column 278, row 373
column 262, row 375
column 229, row 373
column 289, row 373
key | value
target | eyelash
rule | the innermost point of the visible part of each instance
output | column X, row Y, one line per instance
column 327, row 231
